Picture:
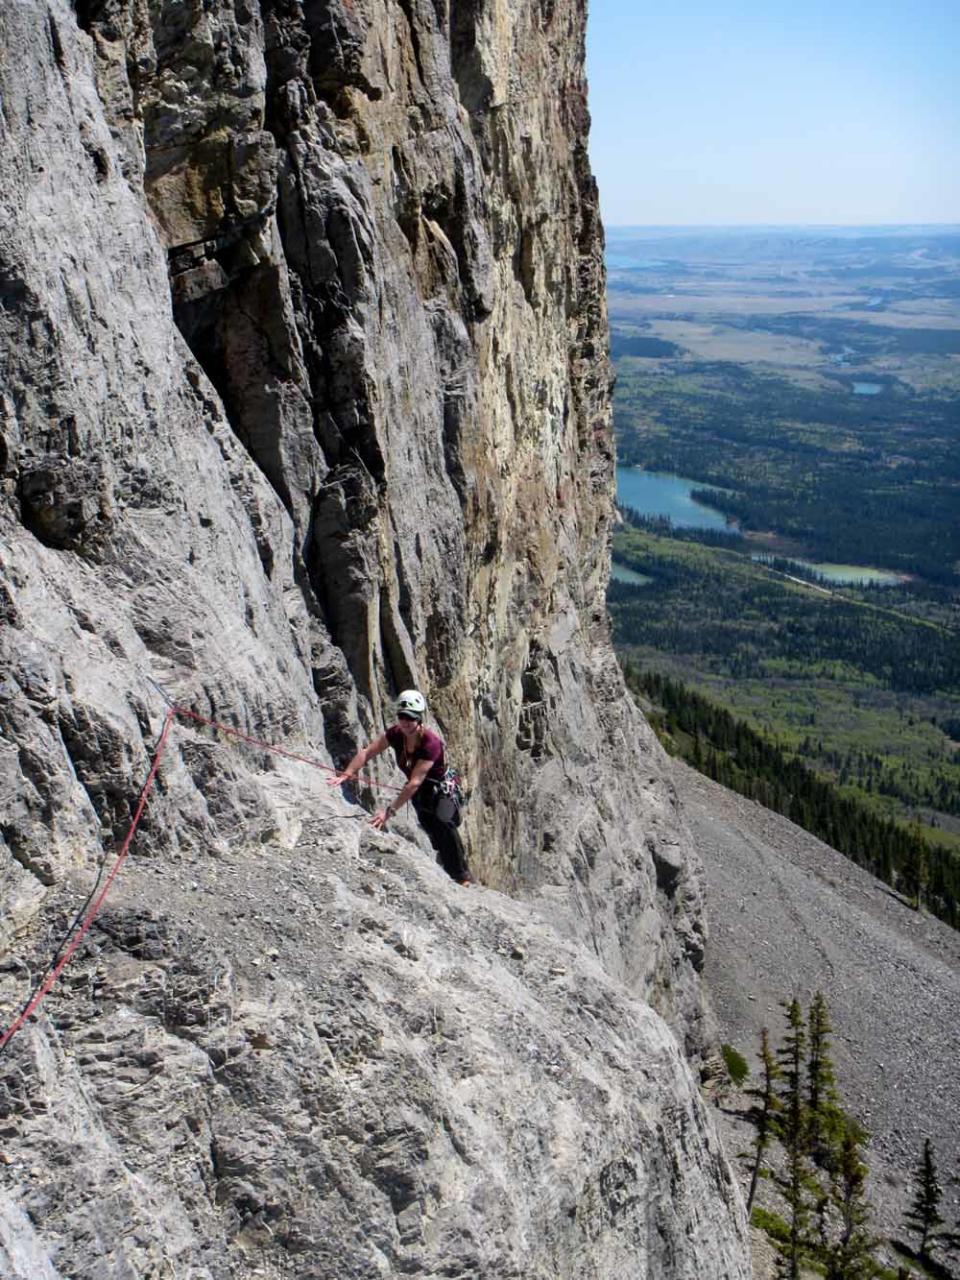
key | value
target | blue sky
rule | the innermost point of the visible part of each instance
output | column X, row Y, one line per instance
column 764, row 112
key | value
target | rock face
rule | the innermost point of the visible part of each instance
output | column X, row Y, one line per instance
column 304, row 399
column 333, row 1062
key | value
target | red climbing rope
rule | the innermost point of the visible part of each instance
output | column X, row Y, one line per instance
column 98, row 901
column 91, row 913
column 280, row 751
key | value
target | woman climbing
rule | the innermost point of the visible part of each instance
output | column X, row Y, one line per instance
column 419, row 753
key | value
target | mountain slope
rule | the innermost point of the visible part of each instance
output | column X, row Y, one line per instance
column 792, row 916
column 320, row 1057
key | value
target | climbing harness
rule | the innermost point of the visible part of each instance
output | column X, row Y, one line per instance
column 450, row 797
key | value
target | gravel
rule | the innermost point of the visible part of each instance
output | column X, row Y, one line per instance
column 788, row 916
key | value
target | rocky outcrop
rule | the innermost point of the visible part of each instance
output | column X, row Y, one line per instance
column 332, row 1062
column 304, row 399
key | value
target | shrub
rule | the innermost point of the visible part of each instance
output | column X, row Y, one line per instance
column 736, row 1065
column 771, row 1223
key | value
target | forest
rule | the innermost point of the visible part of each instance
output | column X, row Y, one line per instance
column 727, row 750
column 715, row 602
column 842, row 474
column 865, row 696
column 807, row 387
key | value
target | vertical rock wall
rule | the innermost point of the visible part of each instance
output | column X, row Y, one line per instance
column 387, row 460
column 304, row 398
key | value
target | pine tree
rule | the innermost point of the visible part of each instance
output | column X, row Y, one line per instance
column 824, row 1118
column 796, row 1182
column 766, row 1111
column 922, row 1216
column 848, row 1255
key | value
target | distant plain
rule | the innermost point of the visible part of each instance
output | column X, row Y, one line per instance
column 697, row 289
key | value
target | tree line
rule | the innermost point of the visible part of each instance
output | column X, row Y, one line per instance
column 872, row 772
column 663, row 526
column 726, row 749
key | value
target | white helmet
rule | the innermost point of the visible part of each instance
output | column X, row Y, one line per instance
column 411, row 703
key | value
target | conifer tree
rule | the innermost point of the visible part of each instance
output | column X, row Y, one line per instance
column 795, row 1183
column 848, row 1255
column 922, row 1216
column 766, row 1110
column 825, row 1124
column 918, row 866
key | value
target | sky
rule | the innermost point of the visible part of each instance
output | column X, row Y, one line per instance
column 761, row 112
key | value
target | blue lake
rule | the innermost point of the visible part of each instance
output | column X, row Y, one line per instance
column 840, row 574
column 658, row 493
column 620, row 573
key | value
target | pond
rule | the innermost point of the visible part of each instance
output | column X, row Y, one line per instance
column 620, row 573
column 841, row 574
column 660, row 493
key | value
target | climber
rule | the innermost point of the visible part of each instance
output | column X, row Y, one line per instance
column 419, row 753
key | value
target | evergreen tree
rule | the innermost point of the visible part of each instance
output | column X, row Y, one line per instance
column 766, row 1110
column 798, row 1105
column 922, row 1216
column 848, row 1255
column 825, row 1122
column 795, row 1182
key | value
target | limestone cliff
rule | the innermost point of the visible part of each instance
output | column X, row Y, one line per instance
column 304, row 399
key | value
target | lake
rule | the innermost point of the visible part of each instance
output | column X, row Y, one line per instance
column 867, row 388
column 620, row 573
column 841, row 574
column 659, row 493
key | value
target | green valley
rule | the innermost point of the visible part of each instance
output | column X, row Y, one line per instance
column 809, row 387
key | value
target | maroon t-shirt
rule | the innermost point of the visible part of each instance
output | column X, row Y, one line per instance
column 430, row 748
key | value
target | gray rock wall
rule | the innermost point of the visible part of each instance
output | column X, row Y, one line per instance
column 304, row 399
column 331, row 1062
